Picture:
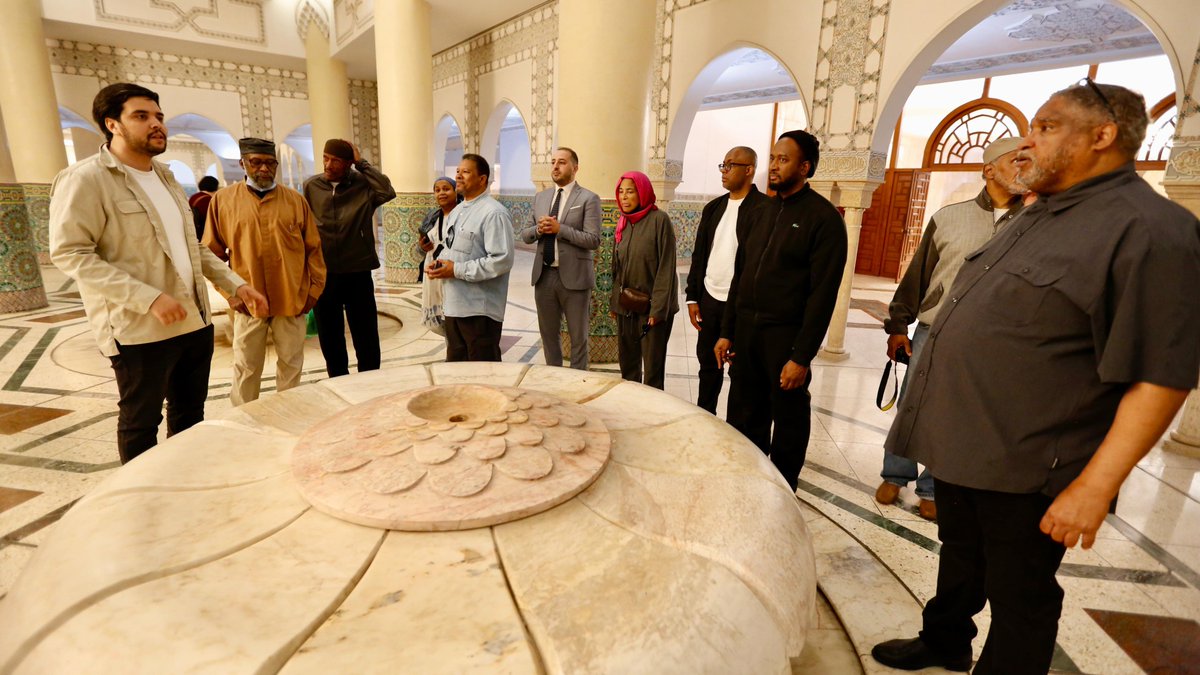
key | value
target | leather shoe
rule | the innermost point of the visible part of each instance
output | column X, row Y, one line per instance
column 927, row 509
column 887, row 493
column 914, row 654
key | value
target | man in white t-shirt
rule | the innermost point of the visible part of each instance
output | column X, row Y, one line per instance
column 721, row 224
column 121, row 228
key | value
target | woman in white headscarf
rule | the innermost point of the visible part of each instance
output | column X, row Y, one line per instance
column 432, row 239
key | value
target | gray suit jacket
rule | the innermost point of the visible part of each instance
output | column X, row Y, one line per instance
column 577, row 238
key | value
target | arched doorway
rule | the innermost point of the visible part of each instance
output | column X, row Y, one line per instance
column 80, row 137
column 507, row 139
column 947, row 104
column 447, row 146
column 198, row 141
column 295, row 153
column 742, row 97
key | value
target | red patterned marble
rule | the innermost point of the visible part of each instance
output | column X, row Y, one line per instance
column 450, row 457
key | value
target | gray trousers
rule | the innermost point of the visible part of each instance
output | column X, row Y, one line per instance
column 553, row 301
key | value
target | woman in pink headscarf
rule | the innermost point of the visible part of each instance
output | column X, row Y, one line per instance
column 645, row 290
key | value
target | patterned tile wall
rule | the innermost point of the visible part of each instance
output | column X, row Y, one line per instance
column 685, row 217
column 520, row 207
column 401, row 218
column 20, row 277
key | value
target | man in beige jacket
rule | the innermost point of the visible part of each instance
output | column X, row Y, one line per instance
column 120, row 227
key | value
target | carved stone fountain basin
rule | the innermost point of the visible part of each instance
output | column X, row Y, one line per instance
column 449, row 518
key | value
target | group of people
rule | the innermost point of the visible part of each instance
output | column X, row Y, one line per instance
column 1055, row 331
column 122, row 229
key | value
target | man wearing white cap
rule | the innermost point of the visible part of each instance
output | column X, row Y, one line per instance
column 952, row 233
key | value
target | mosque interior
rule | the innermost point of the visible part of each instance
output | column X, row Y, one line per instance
column 903, row 95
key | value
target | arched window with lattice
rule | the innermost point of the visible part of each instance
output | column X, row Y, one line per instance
column 1159, row 135
column 961, row 137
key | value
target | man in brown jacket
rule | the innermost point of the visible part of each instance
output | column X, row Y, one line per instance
column 120, row 227
column 267, row 233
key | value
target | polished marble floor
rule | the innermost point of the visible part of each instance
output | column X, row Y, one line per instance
column 1132, row 602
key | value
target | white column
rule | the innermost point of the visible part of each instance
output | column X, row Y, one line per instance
column 328, row 93
column 1185, row 438
column 404, row 63
column 605, row 52
column 855, row 198
column 31, row 121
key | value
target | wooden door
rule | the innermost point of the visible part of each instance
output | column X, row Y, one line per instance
column 881, row 240
column 915, row 222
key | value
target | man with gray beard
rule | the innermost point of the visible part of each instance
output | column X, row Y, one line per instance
column 952, row 233
column 1067, row 347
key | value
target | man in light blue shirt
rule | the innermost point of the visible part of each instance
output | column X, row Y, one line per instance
column 475, row 262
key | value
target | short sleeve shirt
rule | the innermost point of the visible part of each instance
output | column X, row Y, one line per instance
column 1085, row 293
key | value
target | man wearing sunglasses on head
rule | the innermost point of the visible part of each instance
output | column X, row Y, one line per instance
column 1066, row 348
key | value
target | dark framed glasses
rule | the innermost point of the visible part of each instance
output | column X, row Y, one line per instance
column 1099, row 94
column 725, row 167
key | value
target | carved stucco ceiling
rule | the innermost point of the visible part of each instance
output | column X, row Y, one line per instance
column 1032, row 34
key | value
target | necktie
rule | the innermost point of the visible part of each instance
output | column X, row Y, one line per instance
column 548, row 240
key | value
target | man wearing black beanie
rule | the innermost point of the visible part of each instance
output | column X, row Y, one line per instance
column 343, row 200
column 785, row 283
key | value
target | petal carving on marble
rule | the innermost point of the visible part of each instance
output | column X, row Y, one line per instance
column 457, row 435
column 526, row 463
column 485, row 448
column 344, row 463
column 460, row 479
column 524, row 435
column 434, row 452
column 391, row 475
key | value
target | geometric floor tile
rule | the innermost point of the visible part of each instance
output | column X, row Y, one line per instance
column 59, row 318
column 10, row 497
column 17, row 418
column 1159, row 644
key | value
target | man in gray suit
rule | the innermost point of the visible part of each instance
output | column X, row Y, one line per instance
column 566, row 227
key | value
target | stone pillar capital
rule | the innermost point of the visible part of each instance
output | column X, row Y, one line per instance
column 540, row 171
column 665, row 175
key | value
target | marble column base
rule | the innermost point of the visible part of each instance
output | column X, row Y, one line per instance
column 20, row 275
column 401, row 218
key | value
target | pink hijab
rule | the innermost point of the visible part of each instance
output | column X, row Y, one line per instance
column 646, row 200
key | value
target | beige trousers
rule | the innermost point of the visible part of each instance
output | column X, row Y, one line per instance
column 250, row 351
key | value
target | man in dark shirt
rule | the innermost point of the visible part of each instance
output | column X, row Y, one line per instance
column 344, row 202
column 199, row 203
column 1066, row 348
column 785, row 283
column 723, row 220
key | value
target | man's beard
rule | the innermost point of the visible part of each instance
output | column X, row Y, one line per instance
column 1038, row 175
column 783, row 185
column 260, row 184
column 142, row 145
column 1012, row 187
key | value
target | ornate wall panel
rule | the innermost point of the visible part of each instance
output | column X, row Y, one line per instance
column 254, row 84
column 532, row 36
column 236, row 21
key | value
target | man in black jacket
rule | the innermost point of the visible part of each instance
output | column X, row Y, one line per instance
column 722, row 223
column 785, row 284
column 344, row 201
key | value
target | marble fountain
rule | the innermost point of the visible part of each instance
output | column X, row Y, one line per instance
column 449, row 518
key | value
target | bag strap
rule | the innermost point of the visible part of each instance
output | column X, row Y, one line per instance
column 883, row 382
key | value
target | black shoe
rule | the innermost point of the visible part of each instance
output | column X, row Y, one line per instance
column 913, row 654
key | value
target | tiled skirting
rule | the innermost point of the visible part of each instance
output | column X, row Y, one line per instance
column 401, row 218
column 20, row 275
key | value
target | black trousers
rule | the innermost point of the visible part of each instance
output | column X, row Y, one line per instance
column 638, row 355
column 354, row 294
column 756, row 402
column 174, row 370
column 712, row 375
column 993, row 550
column 472, row 338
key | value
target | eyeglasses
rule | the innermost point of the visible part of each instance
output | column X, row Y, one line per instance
column 726, row 167
column 1103, row 99
column 256, row 163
